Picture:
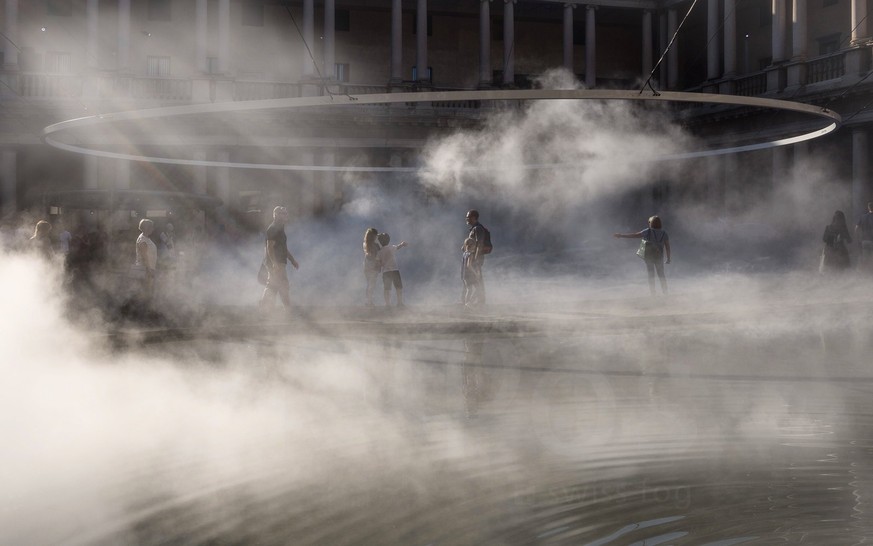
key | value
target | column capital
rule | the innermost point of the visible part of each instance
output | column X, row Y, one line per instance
column 510, row 1
column 569, row 5
column 485, row 1
column 591, row 7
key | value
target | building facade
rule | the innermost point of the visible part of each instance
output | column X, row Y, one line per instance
column 64, row 59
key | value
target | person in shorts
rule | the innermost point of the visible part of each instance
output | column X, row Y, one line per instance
column 390, row 271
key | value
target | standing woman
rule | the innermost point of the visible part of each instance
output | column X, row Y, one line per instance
column 835, row 254
column 146, row 259
column 659, row 244
column 41, row 242
column 371, row 262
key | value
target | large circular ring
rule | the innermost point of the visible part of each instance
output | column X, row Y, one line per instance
column 51, row 134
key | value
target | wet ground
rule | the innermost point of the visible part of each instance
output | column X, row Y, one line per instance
column 692, row 419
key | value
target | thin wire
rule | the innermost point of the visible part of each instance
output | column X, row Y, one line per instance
column 667, row 49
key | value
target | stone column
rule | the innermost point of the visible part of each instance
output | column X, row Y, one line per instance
column 798, row 29
column 224, row 36
column 421, row 42
column 568, row 37
column 859, row 22
column 92, row 15
column 201, row 34
column 861, row 193
column 508, row 42
column 330, row 39
column 308, row 35
column 647, row 44
column 396, row 41
column 8, row 182
column 712, row 53
column 779, row 30
column 673, row 55
column 123, row 58
column 485, row 75
column 730, row 38
column 590, row 47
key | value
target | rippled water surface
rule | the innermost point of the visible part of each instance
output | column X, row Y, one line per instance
column 648, row 424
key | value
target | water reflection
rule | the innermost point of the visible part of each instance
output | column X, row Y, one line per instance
column 724, row 432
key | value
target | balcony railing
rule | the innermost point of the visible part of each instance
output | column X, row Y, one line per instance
column 751, row 84
column 33, row 85
column 164, row 89
column 253, row 90
column 828, row 67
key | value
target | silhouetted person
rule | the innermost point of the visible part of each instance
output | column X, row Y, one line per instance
column 659, row 243
column 482, row 246
column 371, row 262
column 864, row 235
column 470, row 273
column 144, row 268
column 41, row 242
column 836, row 238
column 276, row 255
column 390, row 271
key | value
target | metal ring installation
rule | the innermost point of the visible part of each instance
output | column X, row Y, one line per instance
column 832, row 119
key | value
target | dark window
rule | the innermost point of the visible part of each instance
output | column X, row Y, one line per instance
column 829, row 44
column 59, row 7
column 497, row 30
column 253, row 13
column 579, row 33
column 159, row 10
column 342, row 20
column 429, row 26
column 341, row 72
column 765, row 14
column 415, row 73
column 826, row 3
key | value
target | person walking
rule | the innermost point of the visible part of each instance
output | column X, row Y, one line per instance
column 481, row 246
column 864, row 236
column 657, row 247
column 469, row 271
column 835, row 253
column 276, row 255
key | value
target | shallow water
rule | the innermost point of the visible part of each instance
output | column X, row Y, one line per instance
column 651, row 423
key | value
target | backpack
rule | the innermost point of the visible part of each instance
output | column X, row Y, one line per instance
column 487, row 247
column 650, row 249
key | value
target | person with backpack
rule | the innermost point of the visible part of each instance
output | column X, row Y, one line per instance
column 655, row 246
column 835, row 252
column 482, row 246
